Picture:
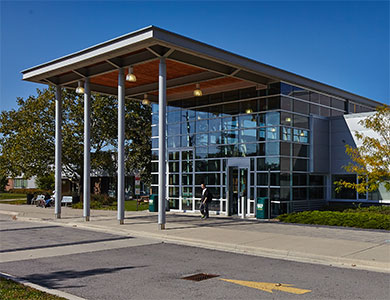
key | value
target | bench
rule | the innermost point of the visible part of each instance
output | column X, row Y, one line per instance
column 66, row 200
column 142, row 200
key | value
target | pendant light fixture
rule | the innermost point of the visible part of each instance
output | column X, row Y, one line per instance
column 80, row 89
column 197, row 91
column 145, row 101
column 130, row 76
column 249, row 110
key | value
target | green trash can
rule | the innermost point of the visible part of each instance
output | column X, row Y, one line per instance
column 262, row 208
column 153, row 203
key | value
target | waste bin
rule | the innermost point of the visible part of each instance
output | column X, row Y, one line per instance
column 153, row 203
column 29, row 198
column 262, row 208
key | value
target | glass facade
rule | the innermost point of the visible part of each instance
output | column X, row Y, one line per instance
column 268, row 127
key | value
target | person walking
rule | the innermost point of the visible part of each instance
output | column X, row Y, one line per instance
column 207, row 197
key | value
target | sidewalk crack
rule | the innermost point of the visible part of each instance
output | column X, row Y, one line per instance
column 360, row 251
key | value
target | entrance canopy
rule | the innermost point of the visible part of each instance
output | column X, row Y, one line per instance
column 188, row 62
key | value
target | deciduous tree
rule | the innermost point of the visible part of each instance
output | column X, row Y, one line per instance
column 370, row 160
column 27, row 135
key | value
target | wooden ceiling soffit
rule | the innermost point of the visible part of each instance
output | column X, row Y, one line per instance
column 147, row 76
column 103, row 67
column 215, row 83
column 175, row 92
column 173, row 83
column 176, row 95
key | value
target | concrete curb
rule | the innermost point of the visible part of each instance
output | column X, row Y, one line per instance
column 41, row 288
column 240, row 249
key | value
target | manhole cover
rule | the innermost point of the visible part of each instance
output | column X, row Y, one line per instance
column 200, row 277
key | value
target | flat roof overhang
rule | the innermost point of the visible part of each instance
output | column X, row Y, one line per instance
column 188, row 62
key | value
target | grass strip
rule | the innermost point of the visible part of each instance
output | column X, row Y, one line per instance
column 11, row 290
column 16, row 202
column 4, row 196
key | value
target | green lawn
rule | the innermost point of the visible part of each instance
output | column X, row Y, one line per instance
column 4, row 196
column 16, row 202
column 131, row 205
column 11, row 290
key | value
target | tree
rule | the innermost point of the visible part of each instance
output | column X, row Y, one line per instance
column 138, row 143
column 371, row 160
column 28, row 135
column 3, row 183
column 46, row 182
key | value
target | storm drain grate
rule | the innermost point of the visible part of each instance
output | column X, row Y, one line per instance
column 200, row 277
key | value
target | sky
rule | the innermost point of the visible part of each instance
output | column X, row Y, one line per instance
column 343, row 44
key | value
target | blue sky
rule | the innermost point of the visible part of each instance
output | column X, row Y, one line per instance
column 344, row 44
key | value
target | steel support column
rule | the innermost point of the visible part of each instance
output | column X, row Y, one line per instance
column 87, row 151
column 58, row 153
column 121, row 146
column 162, row 102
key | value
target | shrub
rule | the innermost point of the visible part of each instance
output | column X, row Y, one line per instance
column 29, row 191
column 103, row 199
column 98, row 202
column 363, row 219
column 93, row 205
column 380, row 209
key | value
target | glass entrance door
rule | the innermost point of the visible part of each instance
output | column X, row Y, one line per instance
column 233, row 191
column 238, row 191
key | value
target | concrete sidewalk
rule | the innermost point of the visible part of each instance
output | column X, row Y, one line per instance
column 341, row 247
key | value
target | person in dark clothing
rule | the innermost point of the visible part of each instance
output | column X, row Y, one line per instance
column 207, row 197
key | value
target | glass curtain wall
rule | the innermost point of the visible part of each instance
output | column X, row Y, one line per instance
column 269, row 126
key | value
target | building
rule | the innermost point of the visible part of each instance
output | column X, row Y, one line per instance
column 230, row 140
column 20, row 183
column 342, row 133
column 250, row 126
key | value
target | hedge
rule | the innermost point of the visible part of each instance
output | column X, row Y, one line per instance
column 97, row 202
column 333, row 218
column 29, row 191
column 380, row 209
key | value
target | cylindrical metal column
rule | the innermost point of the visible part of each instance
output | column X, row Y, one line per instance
column 243, row 207
column 162, row 102
column 121, row 146
column 87, row 151
column 269, row 194
column 58, row 153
